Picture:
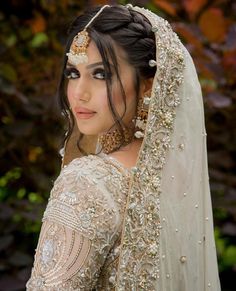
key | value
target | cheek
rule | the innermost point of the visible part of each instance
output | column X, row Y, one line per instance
column 70, row 93
column 117, row 96
column 130, row 101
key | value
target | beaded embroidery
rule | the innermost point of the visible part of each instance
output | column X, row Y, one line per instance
column 139, row 258
column 82, row 226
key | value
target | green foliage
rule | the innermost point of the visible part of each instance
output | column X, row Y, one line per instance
column 31, row 46
column 226, row 252
column 39, row 39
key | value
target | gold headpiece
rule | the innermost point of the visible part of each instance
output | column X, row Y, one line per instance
column 77, row 54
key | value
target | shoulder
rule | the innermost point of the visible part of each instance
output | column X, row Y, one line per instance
column 89, row 194
column 94, row 169
column 95, row 173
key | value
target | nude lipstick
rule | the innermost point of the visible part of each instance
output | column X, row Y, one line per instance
column 84, row 113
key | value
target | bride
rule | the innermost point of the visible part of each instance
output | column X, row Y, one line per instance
column 131, row 208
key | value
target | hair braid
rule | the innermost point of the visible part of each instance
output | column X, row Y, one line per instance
column 126, row 29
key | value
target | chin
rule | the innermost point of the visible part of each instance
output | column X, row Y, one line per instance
column 87, row 131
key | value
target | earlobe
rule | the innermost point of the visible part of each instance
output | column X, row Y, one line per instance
column 146, row 86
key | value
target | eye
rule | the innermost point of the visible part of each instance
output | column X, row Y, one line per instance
column 100, row 74
column 71, row 73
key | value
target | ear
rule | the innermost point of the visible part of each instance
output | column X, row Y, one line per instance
column 146, row 85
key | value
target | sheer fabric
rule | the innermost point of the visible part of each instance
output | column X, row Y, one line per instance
column 79, row 240
column 167, row 237
column 151, row 228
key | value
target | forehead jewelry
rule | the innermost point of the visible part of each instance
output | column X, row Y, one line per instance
column 77, row 54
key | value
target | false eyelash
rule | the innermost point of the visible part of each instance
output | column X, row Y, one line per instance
column 101, row 70
column 69, row 71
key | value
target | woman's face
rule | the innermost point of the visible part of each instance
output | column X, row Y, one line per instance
column 87, row 93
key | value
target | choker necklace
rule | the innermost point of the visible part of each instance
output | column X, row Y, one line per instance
column 113, row 140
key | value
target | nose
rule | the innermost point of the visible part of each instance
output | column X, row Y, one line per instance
column 85, row 97
column 81, row 91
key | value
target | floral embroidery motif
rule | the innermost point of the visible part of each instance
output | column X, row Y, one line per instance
column 81, row 226
column 140, row 256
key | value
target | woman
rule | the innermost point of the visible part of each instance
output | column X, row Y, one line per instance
column 135, row 214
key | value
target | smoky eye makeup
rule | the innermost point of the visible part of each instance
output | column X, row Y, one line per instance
column 100, row 74
column 96, row 70
column 71, row 72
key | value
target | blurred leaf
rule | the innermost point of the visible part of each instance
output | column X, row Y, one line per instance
column 17, row 218
column 21, row 193
column 188, row 34
column 99, row 2
column 11, row 40
column 12, row 175
column 229, row 64
column 8, row 72
column 38, row 23
column 220, row 243
column 34, row 153
column 6, row 86
column 193, row 6
column 166, row 6
column 35, row 198
column 230, row 256
column 6, row 120
column 25, row 33
column 39, row 39
column 213, row 25
column 208, row 84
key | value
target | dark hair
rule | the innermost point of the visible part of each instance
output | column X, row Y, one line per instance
column 129, row 30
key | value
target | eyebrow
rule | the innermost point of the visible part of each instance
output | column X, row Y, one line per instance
column 91, row 65
column 94, row 65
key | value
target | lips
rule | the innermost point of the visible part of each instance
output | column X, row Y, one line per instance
column 84, row 113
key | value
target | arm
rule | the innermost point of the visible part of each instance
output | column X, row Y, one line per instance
column 78, row 230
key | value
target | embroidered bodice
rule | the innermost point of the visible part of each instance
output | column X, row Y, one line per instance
column 78, row 247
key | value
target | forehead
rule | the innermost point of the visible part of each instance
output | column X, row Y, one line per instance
column 94, row 54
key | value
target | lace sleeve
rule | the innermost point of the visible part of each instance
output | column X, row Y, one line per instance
column 79, row 228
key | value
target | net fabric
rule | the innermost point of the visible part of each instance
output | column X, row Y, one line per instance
column 167, row 235
column 81, row 227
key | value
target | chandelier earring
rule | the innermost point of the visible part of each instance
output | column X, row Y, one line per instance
column 142, row 114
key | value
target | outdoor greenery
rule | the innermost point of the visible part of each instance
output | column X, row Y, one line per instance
column 32, row 36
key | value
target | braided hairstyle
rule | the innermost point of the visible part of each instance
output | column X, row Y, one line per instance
column 128, row 30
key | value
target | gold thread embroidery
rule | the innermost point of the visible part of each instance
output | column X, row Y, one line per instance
column 139, row 257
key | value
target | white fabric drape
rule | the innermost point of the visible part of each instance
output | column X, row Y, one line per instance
column 187, row 247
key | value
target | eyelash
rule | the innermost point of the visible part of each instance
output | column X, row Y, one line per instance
column 72, row 73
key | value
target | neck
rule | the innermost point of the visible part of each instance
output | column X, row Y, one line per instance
column 112, row 141
column 128, row 155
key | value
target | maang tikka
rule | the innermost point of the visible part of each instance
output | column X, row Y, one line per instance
column 77, row 54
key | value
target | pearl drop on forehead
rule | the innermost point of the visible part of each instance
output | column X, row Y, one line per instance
column 78, row 51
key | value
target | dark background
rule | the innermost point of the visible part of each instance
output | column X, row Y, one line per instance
column 32, row 36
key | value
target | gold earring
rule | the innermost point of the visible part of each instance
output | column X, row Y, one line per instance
column 142, row 114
